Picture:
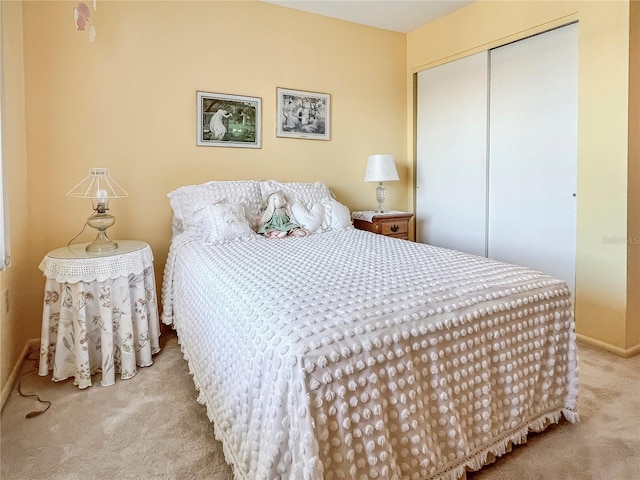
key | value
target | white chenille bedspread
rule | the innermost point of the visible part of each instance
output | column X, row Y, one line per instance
column 353, row 355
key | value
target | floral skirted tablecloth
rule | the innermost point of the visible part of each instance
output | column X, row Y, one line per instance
column 100, row 313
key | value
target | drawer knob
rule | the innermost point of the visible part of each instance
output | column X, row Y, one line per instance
column 394, row 228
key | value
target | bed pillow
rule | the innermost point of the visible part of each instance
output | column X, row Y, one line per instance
column 307, row 194
column 244, row 192
column 219, row 223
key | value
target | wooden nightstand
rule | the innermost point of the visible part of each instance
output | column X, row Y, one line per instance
column 392, row 224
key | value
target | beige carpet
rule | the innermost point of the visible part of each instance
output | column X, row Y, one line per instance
column 151, row 427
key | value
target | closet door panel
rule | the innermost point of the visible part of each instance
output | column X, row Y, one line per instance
column 451, row 154
column 533, row 153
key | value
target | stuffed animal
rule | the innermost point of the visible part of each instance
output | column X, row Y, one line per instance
column 277, row 218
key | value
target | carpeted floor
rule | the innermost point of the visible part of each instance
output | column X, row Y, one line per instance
column 151, row 427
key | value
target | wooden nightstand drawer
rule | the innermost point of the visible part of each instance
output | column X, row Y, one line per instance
column 394, row 224
column 394, row 227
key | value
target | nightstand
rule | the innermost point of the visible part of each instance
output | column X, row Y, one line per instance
column 392, row 223
column 100, row 313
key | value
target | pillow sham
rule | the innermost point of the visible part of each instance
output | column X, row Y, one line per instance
column 244, row 192
column 307, row 194
column 218, row 223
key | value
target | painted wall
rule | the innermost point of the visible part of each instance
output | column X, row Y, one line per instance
column 128, row 102
column 13, row 335
column 633, row 214
column 603, row 118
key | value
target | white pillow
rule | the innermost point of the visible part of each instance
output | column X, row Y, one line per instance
column 309, row 219
column 322, row 217
column 337, row 216
column 220, row 222
column 307, row 194
column 244, row 192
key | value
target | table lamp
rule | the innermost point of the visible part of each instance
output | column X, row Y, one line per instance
column 381, row 168
column 100, row 188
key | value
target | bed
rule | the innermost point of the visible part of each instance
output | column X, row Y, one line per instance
column 346, row 354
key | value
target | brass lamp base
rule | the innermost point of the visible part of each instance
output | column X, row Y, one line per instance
column 102, row 243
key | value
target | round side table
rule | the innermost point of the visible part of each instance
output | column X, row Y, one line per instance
column 100, row 313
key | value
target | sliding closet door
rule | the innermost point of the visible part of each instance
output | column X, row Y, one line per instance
column 451, row 133
column 533, row 153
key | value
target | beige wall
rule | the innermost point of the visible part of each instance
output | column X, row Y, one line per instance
column 13, row 335
column 601, row 276
column 633, row 215
column 128, row 102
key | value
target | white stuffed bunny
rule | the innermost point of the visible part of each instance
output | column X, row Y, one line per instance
column 276, row 219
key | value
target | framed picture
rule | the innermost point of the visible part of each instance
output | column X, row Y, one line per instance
column 229, row 120
column 303, row 114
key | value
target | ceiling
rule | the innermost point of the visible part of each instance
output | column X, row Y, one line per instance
column 397, row 15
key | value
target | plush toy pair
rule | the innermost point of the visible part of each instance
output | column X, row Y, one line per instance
column 276, row 221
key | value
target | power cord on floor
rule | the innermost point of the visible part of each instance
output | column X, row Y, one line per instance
column 35, row 413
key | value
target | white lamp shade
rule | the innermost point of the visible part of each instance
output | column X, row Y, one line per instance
column 381, row 168
column 98, row 185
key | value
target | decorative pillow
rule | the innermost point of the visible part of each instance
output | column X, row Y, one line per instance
column 312, row 219
column 244, row 192
column 322, row 217
column 221, row 222
column 307, row 194
column 337, row 216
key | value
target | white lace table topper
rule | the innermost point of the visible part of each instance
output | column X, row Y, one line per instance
column 368, row 215
column 73, row 264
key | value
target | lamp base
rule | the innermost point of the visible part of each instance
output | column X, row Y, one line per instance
column 381, row 195
column 102, row 243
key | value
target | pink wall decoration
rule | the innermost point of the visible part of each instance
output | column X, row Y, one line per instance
column 81, row 15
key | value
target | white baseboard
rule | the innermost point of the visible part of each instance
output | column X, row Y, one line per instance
column 622, row 352
column 6, row 390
